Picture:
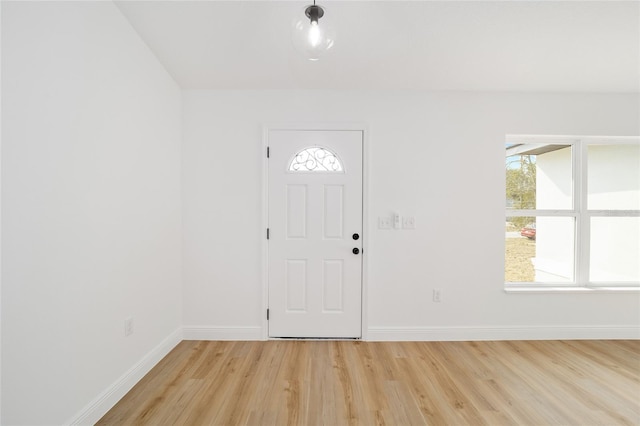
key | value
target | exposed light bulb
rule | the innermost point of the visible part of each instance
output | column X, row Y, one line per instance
column 312, row 33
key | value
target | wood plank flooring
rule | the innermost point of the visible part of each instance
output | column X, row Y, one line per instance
column 390, row 383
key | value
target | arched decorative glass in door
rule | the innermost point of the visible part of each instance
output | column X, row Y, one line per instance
column 316, row 159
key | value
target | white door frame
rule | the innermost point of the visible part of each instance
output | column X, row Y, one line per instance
column 366, row 225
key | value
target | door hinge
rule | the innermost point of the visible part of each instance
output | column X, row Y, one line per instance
column 267, row 233
column 267, row 152
column 267, row 314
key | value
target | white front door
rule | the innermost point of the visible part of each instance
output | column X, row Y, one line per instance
column 315, row 233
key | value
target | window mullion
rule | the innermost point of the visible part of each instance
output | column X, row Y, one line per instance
column 614, row 213
column 583, row 219
column 535, row 213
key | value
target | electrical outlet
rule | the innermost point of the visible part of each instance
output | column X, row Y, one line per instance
column 436, row 295
column 128, row 326
column 384, row 222
column 409, row 222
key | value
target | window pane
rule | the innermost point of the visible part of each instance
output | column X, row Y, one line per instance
column 613, row 177
column 539, row 176
column 519, row 250
column 615, row 249
column 541, row 250
column 315, row 159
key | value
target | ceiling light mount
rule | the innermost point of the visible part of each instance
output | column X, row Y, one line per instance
column 314, row 12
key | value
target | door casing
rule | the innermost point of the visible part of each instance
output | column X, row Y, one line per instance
column 366, row 224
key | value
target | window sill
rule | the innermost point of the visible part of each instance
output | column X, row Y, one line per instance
column 571, row 290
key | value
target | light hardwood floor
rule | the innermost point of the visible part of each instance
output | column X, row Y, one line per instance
column 401, row 383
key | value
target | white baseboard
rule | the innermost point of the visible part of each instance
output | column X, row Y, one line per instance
column 97, row 408
column 502, row 333
column 222, row 333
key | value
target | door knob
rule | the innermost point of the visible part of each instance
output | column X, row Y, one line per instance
column 356, row 236
column 356, row 250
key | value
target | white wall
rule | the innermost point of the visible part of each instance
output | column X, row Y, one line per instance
column 435, row 155
column 0, row 215
column 90, row 206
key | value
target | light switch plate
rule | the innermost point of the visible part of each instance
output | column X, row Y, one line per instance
column 384, row 222
column 409, row 222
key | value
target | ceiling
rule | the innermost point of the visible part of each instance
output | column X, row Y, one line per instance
column 559, row 46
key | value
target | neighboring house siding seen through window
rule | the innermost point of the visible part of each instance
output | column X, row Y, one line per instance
column 572, row 212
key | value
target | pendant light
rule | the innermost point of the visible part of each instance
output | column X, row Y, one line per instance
column 312, row 36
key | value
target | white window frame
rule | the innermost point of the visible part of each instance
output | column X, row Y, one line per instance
column 579, row 211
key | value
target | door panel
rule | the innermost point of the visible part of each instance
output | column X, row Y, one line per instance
column 296, row 285
column 315, row 206
column 296, row 211
column 333, row 211
column 332, row 285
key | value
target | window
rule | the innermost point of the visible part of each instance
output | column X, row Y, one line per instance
column 572, row 212
column 315, row 159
